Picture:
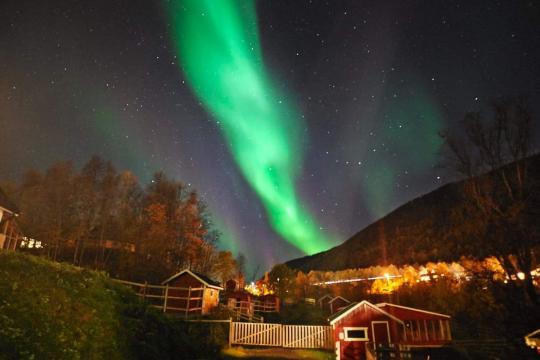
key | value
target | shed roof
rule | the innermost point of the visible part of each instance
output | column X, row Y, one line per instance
column 202, row 278
column 339, row 297
column 324, row 297
column 7, row 204
column 350, row 308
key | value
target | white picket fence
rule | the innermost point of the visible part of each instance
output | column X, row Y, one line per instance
column 307, row 336
column 291, row 336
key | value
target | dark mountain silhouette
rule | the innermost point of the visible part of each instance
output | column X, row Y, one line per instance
column 415, row 233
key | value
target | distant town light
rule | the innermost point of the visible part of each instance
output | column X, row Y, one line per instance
column 30, row 243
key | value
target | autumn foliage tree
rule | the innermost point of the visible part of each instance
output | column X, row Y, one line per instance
column 104, row 219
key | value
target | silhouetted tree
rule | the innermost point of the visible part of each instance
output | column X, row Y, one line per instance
column 498, row 212
column 282, row 280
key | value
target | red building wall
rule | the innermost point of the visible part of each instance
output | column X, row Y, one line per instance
column 208, row 298
column 364, row 316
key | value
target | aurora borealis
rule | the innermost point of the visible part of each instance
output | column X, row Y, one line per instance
column 325, row 110
column 219, row 48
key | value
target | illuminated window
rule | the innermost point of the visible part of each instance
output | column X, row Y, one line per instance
column 356, row 333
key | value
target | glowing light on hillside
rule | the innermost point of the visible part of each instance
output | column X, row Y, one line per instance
column 332, row 282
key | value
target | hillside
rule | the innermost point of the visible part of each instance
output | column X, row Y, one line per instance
column 50, row 310
column 416, row 232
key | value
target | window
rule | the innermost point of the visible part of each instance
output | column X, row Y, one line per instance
column 356, row 333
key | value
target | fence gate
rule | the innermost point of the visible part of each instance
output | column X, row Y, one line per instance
column 291, row 336
column 307, row 337
column 255, row 334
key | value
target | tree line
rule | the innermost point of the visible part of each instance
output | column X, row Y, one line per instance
column 101, row 218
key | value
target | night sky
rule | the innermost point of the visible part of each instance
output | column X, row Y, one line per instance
column 361, row 90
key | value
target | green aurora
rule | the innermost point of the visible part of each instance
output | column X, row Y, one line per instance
column 411, row 128
column 220, row 52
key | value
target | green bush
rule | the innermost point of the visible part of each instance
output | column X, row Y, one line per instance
column 50, row 310
column 58, row 311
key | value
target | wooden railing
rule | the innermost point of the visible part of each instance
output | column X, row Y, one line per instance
column 261, row 306
column 243, row 310
column 168, row 298
column 251, row 317
column 386, row 352
column 253, row 306
column 422, row 331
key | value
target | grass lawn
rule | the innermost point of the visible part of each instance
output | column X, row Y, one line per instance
column 275, row 353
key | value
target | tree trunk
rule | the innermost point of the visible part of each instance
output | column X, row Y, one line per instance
column 524, row 261
column 76, row 251
column 530, row 290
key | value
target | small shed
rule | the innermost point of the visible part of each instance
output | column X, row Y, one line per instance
column 189, row 292
column 332, row 304
column 240, row 301
column 231, row 285
column 362, row 327
column 323, row 301
column 337, row 304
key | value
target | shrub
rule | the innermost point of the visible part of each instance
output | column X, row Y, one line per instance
column 58, row 311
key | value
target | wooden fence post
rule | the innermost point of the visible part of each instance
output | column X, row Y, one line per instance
column 144, row 290
column 230, row 331
column 166, row 295
column 187, row 301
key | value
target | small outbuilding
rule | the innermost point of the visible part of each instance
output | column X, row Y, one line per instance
column 240, row 301
column 191, row 293
column 323, row 301
column 332, row 304
column 337, row 303
column 362, row 328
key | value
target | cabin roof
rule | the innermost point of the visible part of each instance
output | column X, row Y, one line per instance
column 7, row 204
column 348, row 309
column 202, row 278
column 408, row 313
column 324, row 297
column 339, row 297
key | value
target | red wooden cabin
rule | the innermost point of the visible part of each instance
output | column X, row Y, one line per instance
column 361, row 327
column 248, row 304
column 240, row 301
column 198, row 294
